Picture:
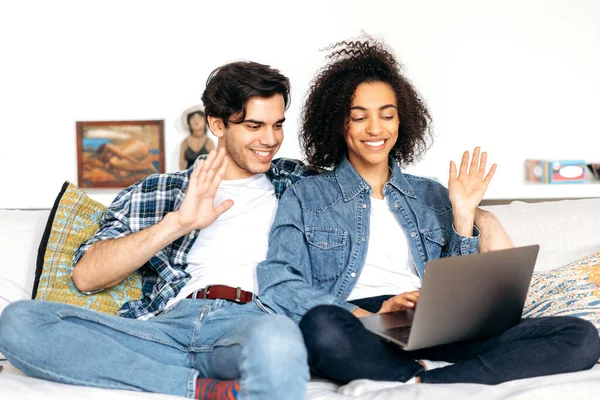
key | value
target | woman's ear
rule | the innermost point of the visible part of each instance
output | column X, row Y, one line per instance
column 216, row 126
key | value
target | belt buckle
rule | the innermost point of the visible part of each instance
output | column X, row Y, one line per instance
column 206, row 290
column 238, row 294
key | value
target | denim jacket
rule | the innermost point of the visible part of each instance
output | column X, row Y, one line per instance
column 319, row 239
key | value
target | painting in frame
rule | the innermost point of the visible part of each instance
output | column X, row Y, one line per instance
column 116, row 154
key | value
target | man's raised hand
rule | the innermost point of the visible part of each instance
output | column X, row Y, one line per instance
column 198, row 210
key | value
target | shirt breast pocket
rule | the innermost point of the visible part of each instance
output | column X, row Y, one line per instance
column 326, row 247
column 435, row 240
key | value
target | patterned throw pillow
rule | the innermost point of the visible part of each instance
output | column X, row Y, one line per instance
column 570, row 290
column 73, row 219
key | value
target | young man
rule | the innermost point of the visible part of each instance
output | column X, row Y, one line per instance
column 187, row 326
column 186, row 233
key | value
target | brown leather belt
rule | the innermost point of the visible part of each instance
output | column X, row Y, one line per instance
column 224, row 292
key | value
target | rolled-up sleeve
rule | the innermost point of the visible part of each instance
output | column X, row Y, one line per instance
column 462, row 245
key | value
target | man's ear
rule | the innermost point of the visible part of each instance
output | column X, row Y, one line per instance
column 216, row 126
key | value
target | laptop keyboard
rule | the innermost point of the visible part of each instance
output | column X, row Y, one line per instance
column 400, row 333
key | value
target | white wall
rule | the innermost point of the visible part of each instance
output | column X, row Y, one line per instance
column 518, row 77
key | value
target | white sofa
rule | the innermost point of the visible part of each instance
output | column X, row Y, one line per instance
column 566, row 230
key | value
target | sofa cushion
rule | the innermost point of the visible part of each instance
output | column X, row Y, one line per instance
column 566, row 230
column 571, row 290
column 20, row 233
column 73, row 219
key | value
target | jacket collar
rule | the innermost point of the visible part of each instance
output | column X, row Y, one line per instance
column 351, row 183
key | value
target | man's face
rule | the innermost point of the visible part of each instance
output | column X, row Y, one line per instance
column 252, row 143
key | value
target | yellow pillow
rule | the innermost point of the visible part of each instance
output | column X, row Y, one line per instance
column 74, row 219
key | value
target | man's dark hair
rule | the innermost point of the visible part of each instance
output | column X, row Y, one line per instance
column 230, row 86
column 325, row 115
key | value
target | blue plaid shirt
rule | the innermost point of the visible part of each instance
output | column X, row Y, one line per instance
column 146, row 203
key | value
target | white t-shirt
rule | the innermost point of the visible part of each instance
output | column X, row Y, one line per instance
column 389, row 267
column 227, row 251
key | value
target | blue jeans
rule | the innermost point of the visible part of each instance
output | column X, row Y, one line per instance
column 195, row 338
column 341, row 349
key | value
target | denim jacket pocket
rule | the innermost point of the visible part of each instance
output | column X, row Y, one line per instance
column 327, row 250
column 435, row 240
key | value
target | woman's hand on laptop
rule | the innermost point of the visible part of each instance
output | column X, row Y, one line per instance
column 401, row 302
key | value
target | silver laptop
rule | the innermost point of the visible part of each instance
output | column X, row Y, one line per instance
column 465, row 297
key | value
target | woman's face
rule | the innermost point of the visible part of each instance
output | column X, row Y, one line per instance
column 197, row 125
column 373, row 124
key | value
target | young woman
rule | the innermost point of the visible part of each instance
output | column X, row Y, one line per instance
column 355, row 240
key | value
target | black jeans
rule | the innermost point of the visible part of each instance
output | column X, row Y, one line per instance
column 341, row 349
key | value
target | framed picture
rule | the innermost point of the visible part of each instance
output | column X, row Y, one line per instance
column 116, row 154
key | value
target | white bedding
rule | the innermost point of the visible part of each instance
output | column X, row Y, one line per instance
column 580, row 385
column 568, row 234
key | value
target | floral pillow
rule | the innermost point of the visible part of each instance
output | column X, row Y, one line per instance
column 572, row 290
column 74, row 219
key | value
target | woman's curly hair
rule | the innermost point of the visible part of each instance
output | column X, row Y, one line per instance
column 325, row 115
